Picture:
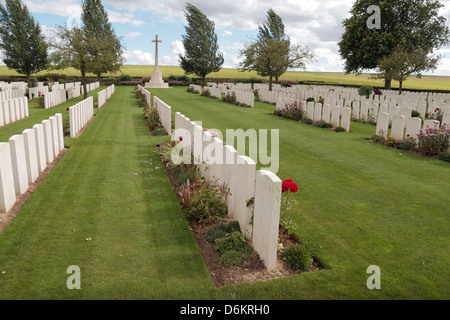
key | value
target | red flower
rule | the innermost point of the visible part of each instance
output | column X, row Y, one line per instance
column 289, row 185
column 67, row 109
column 181, row 138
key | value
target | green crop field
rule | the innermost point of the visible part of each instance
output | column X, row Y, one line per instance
column 330, row 78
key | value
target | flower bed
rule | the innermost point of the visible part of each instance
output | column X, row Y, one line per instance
column 429, row 142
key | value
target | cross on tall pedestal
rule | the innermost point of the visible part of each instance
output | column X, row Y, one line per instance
column 156, row 52
column 157, row 80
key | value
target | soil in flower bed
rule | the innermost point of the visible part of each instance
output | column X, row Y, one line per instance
column 251, row 270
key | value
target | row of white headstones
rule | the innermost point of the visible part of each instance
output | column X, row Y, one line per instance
column 239, row 174
column 60, row 93
column 104, row 95
column 27, row 155
column 13, row 110
column 244, row 97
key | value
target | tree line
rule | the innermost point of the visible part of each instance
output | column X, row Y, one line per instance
column 405, row 42
column 92, row 47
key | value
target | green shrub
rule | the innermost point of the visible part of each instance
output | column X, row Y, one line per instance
column 433, row 141
column 230, row 97
column 405, row 145
column 308, row 121
column 444, row 156
column 415, row 114
column 233, row 226
column 215, row 232
column 206, row 93
column 377, row 138
column 189, row 173
column 391, row 142
column 152, row 117
column 234, row 241
column 323, row 124
column 291, row 111
column 124, row 77
column 365, row 91
column 203, row 200
column 310, row 99
column 232, row 258
column 220, row 230
column 339, row 129
column 297, row 257
column 41, row 101
column 180, row 78
column 257, row 80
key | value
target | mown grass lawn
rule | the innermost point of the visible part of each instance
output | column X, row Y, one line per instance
column 361, row 204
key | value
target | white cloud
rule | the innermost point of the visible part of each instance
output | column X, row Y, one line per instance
column 138, row 57
column 170, row 61
column 121, row 17
column 177, row 47
column 133, row 35
column 227, row 33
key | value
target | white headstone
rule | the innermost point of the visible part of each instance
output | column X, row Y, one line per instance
column 266, row 219
column 382, row 125
column 245, row 190
column 7, row 190
column 19, row 165
column 48, row 141
column 310, row 110
column 31, row 155
column 317, row 112
column 346, row 118
column 326, row 113
column 335, row 115
column 398, row 127
column 413, row 125
column 40, row 146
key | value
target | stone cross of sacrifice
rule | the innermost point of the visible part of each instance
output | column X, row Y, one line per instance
column 156, row 52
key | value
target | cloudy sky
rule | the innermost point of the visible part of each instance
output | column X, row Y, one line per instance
column 315, row 23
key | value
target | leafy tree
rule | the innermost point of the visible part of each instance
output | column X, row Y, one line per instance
column 401, row 64
column 71, row 50
column 200, row 44
column 271, row 54
column 23, row 45
column 414, row 22
column 106, row 51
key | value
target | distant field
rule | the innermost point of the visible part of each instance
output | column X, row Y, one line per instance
column 425, row 83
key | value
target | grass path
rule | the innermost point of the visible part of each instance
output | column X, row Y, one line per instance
column 110, row 187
